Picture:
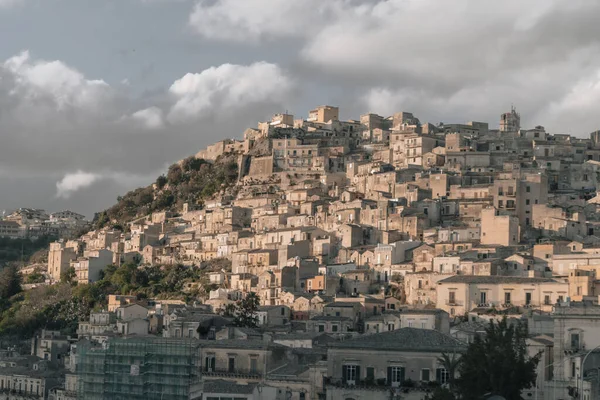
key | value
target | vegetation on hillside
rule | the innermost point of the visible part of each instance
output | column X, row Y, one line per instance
column 62, row 306
column 191, row 181
column 12, row 250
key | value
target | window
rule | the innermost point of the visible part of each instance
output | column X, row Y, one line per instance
column 321, row 328
column 370, row 374
column 528, row 189
column 483, row 297
column 253, row 365
column 302, row 396
column 442, row 375
column 452, row 297
column 425, row 374
column 231, row 365
column 528, row 298
column 575, row 340
column 334, row 328
column 527, row 201
column 547, row 299
column 209, row 363
column 506, row 297
column 395, row 375
column 573, row 370
column 350, row 374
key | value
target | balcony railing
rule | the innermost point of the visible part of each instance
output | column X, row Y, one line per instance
column 382, row 385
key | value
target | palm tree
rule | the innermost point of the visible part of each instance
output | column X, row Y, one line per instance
column 451, row 363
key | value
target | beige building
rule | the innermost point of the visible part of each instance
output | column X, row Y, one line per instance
column 323, row 114
column 388, row 359
column 499, row 229
column 461, row 293
column 59, row 259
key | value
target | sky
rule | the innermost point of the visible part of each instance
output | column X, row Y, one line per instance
column 99, row 97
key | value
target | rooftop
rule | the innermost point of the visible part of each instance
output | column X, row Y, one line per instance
column 405, row 339
column 229, row 387
column 495, row 279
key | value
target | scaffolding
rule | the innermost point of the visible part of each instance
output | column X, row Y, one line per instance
column 140, row 369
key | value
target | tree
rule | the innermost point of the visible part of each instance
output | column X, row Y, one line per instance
column 246, row 311
column 68, row 276
column 161, row 181
column 10, row 282
column 451, row 363
column 498, row 363
column 441, row 393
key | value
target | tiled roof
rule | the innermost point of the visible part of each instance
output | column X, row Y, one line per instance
column 470, row 326
column 221, row 386
column 329, row 318
column 490, row 279
column 239, row 344
column 405, row 339
column 348, row 304
column 421, row 311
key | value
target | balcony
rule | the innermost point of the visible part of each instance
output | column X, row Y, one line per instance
column 380, row 385
column 455, row 303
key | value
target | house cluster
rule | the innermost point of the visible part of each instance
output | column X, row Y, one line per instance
column 34, row 223
column 374, row 246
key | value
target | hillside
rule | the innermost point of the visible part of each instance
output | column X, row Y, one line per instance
column 192, row 180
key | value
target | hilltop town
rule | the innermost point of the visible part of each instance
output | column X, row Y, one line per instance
column 319, row 258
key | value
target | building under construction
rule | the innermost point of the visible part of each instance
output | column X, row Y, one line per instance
column 140, row 369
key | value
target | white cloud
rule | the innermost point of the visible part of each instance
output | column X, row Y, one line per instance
column 74, row 182
column 255, row 20
column 226, row 88
column 151, row 118
column 53, row 80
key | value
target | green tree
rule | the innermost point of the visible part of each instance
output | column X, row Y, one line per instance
column 441, row 393
column 498, row 363
column 451, row 362
column 10, row 282
column 68, row 276
column 161, row 181
column 246, row 311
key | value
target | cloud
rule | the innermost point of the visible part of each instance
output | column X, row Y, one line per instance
column 84, row 135
column 65, row 87
column 227, row 87
column 255, row 20
column 74, row 182
column 151, row 118
column 450, row 61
